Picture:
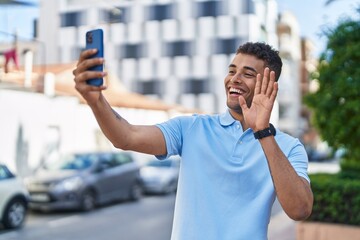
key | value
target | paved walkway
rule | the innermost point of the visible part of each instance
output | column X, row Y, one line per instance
column 281, row 227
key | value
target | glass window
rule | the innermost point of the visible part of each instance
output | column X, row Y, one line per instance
column 160, row 12
column 226, row 46
column 150, row 87
column 5, row 173
column 178, row 48
column 116, row 15
column 136, row 50
column 122, row 158
column 249, row 7
column 195, row 86
column 72, row 19
column 208, row 9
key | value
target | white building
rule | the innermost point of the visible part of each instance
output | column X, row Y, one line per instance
column 176, row 50
column 289, row 96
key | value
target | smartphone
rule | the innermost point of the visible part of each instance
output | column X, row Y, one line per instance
column 95, row 39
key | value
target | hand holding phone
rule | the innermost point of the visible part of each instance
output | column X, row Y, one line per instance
column 94, row 39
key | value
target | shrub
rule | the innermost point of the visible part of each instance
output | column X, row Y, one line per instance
column 336, row 199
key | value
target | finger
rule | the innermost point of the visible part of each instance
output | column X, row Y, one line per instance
column 265, row 80
column 243, row 104
column 86, row 54
column 274, row 92
column 271, row 84
column 85, row 88
column 84, row 76
column 88, row 63
column 258, row 84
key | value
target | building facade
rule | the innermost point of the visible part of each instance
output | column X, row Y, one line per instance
column 176, row 50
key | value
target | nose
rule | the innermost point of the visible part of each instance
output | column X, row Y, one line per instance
column 236, row 78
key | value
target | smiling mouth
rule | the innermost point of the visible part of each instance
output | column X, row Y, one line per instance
column 235, row 91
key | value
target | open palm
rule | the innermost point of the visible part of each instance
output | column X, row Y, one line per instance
column 257, row 116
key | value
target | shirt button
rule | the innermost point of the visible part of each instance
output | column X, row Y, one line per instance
column 240, row 142
column 238, row 126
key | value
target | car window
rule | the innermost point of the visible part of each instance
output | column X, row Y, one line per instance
column 160, row 163
column 5, row 173
column 73, row 162
column 106, row 160
column 122, row 158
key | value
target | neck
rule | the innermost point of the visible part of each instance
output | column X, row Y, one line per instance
column 239, row 117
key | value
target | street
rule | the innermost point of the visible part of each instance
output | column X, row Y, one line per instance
column 149, row 218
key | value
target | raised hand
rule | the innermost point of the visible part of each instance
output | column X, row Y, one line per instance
column 257, row 116
column 90, row 93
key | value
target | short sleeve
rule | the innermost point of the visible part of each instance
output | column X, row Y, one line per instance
column 299, row 160
column 173, row 131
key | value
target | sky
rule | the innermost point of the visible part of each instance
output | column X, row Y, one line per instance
column 312, row 16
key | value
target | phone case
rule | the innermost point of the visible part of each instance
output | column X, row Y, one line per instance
column 94, row 39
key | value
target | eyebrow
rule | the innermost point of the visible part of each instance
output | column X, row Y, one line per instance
column 245, row 67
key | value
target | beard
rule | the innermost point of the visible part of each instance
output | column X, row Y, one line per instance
column 234, row 106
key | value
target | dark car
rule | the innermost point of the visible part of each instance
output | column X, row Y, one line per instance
column 84, row 181
column 160, row 176
column 13, row 199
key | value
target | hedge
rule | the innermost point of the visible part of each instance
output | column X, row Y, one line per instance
column 336, row 200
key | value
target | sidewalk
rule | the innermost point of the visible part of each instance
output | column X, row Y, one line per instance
column 281, row 227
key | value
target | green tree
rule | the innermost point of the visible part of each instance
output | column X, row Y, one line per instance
column 336, row 103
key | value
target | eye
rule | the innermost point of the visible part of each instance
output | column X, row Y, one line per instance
column 231, row 71
column 249, row 75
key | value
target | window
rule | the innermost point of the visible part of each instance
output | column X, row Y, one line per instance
column 249, row 7
column 178, row 48
column 72, row 19
column 5, row 173
column 116, row 15
column 226, row 46
column 195, row 86
column 150, row 87
column 122, row 158
column 208, row 9
column 160, row 12
column 136, row 50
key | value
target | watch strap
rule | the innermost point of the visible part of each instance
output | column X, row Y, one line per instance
column 270, row 131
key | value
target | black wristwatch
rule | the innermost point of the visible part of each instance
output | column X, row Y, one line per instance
column 265, row 132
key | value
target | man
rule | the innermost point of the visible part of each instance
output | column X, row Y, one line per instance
column 233, row 164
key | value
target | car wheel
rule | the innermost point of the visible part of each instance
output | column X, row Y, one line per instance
column 15, row 213
column 88, row 201
column 135, row 192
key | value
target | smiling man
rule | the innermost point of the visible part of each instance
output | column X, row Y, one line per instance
column 233, row 165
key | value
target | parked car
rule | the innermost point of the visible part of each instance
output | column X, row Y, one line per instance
column 13, row 199
column 85, row 180
column 160, row 176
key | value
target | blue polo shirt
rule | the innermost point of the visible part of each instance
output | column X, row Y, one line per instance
column 225, row 188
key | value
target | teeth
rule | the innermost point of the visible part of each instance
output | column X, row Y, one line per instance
column 235, row 90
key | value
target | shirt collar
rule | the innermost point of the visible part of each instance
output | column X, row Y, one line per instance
column 226, row 119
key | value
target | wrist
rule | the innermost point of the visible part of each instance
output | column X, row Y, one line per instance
column 266, row 132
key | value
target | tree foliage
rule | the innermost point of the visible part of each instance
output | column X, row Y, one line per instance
column 336, row 103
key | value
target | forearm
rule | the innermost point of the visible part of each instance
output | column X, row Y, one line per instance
column 123, row 135
column 112, row 125
column 293, row 192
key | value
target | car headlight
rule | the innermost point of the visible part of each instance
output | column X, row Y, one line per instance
column 69, row 184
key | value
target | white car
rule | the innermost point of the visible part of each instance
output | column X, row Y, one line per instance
column 160, row 176
column 13, row 200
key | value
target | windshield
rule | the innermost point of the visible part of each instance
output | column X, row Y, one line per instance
column 73, row 162
column 160, row 163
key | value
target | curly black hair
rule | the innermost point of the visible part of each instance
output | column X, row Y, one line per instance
column 263, row 52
